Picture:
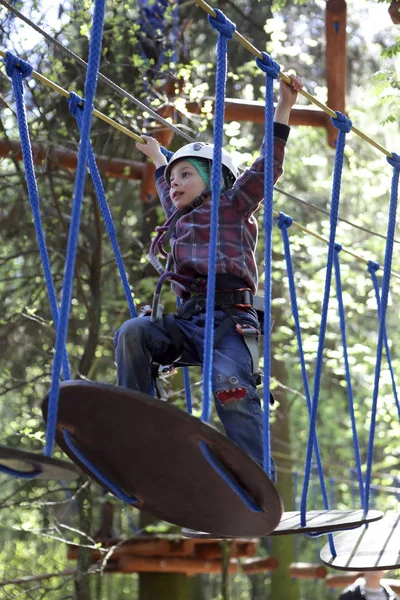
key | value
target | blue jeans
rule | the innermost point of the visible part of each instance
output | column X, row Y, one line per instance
column 139, row 342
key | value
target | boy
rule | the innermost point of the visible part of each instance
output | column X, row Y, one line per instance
column 369, row 587
column 183, row 186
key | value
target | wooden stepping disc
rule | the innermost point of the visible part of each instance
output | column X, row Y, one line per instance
column 367, row 549
column 29, row 463
column 151, row 451
column 324, row 521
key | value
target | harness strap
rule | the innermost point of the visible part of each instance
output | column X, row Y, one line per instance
column 250, row 337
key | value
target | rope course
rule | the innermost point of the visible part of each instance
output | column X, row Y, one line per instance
column 207, row 468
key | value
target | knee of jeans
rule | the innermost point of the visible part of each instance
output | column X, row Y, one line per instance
column 229, row 390
column 130, row 332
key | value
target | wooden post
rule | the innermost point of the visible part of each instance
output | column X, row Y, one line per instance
column 336, row 67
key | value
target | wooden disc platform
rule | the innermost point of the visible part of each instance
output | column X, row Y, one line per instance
column 151, row 451
column 324, row 521
column 368, row 548
column 38, row 466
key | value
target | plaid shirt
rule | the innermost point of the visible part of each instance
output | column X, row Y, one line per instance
column 237, row 231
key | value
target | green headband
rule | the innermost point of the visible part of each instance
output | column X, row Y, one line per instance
column 202, row 167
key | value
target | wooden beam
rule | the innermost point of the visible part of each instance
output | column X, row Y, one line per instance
column 252, row 566
column 252, row 111
column 57, row 157
column 336, row 60
column 163, row 547
column 190, row 566
column 301, row 570
column 238, row 550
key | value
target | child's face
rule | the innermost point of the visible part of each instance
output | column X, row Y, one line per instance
column 186, row 184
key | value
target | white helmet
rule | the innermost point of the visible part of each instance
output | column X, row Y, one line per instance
column 200, row 150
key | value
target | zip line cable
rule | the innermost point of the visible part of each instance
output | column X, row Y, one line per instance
column 326, row 212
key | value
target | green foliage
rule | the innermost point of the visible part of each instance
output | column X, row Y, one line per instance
column 38, row 522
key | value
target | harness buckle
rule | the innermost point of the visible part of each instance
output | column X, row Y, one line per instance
column 247, row 330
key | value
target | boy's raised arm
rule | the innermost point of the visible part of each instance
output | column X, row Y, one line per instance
column 287, row 99
column 151, row 148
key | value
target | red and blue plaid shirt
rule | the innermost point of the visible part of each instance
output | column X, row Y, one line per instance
column 237, row 231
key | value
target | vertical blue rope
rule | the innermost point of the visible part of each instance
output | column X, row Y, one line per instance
column 344, row 126
column 18, row 69
column 271, row 70
column 372, row 268
column 387, row 267
column 284, row 222
column 186, row 379
column 90, row 89
column 226, row 30
column 350, row 396
column 77, row 112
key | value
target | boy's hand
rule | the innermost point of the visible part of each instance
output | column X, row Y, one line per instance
column 287, row 98
column 288, row 92
column 151, row 148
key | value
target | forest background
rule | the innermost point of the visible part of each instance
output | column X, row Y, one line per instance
column 38, row 521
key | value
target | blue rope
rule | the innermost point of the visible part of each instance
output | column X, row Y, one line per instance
column 20, row 474
column 186, row 378
column 228, row 479
column 225, row 30
column 90, row 89
column 344, row 126
column 271, row 70
column 77, row 111
column 387, row 266
column 18, row 69
column 372, row 269
column 167, row 153
column 342, row 318
column 284, row 222
column 104, row 480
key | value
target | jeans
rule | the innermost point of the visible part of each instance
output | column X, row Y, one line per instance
column 139, row 342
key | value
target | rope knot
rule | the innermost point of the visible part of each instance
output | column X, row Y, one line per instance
column 373, row 266
column 13, row 62
column 338, row 247
column 341, row 122
column 284, row 221
column 394, row 160
column 269, row 66
column 74, row 102
column 167, row 153
column 222, row 24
